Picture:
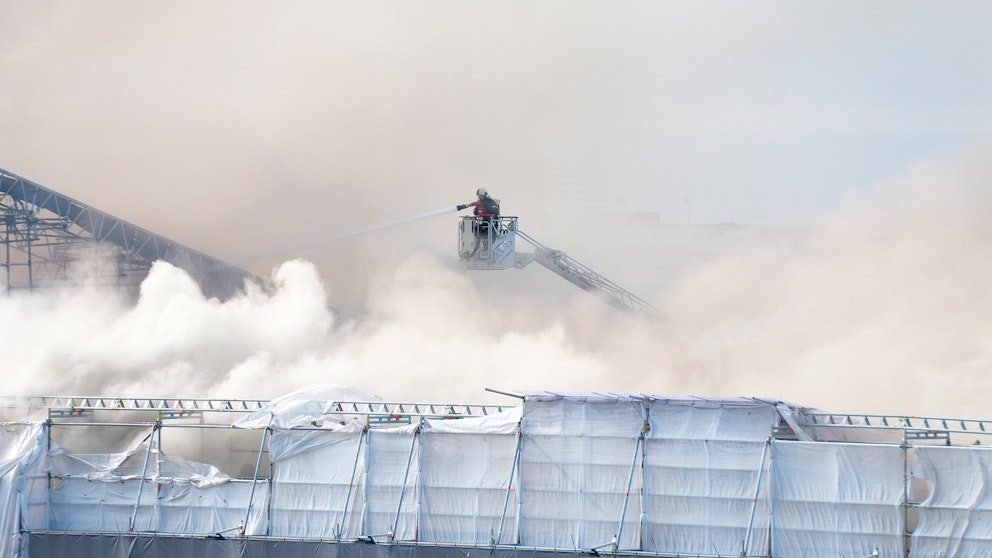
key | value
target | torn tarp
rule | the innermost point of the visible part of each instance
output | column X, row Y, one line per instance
column 312, row 406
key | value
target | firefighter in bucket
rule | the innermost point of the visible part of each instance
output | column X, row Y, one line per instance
column 486, row 210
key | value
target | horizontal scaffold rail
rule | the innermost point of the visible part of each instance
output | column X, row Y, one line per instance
column 417, row 409
column 94, row 403
column 380, row 410
column 897, row 422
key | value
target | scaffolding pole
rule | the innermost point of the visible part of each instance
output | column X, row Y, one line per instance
column 144, row 472
column 754, row 501
column 406, row 477
column 630, row 482
column 509, row 486
column 351, row 484
column 254, row 480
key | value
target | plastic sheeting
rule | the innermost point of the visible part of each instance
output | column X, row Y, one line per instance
column 956, row 517
column 106, row 493
column 582, row 462
column 129, row 465
column 20, row 445
column 392, row 482
column 315, row 480
column 837, row 499
column 348, row 483
column 575, row 463
column 304, row 407
column 672, row 476
column 444, row 482
column 78, row 504
column 468, row 493
column 704, row 465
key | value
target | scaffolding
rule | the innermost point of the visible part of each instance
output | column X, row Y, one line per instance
column 372, row 412
column 802, row 423
column 49, row 238
column 606, row 470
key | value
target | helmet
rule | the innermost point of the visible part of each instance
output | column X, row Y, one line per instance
column 481, row 192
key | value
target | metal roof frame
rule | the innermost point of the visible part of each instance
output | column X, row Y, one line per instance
column 50, row 232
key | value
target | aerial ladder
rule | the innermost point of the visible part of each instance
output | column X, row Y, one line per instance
column 491, row 243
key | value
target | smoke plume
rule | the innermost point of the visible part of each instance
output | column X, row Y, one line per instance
column 879, row 307
column 247, row 128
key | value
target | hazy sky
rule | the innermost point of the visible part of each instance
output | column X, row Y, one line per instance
column 242, row 127
column 753, row 112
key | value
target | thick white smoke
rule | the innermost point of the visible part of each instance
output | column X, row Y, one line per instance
column 428, row 335
column 883, row 306
column 80, row 339
column 241, row 128
column 880, row 307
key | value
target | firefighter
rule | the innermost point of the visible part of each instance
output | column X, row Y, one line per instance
column 486, row 210
column 485, row 207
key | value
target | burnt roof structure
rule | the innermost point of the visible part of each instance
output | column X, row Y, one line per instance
column 48, row 238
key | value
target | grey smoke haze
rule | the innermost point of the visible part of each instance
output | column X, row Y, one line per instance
column 241, row 128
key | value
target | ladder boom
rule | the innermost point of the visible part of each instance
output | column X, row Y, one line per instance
column 491, row 244
column 586, row 279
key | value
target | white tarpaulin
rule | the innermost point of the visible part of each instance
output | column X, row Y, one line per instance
column 317, row 476
column 305, row 407
column 20, row 445
column 105, row 492
column 466, row 479
column 703, row 465
column 956, row 517
column 78, row 504
column 575, row 464
column 100, row 492
column 392, row 481
column 671, row 476
column 184, row 508
column 348, row 482
column 837, row 499
column 35, row 483
column 113, row 467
